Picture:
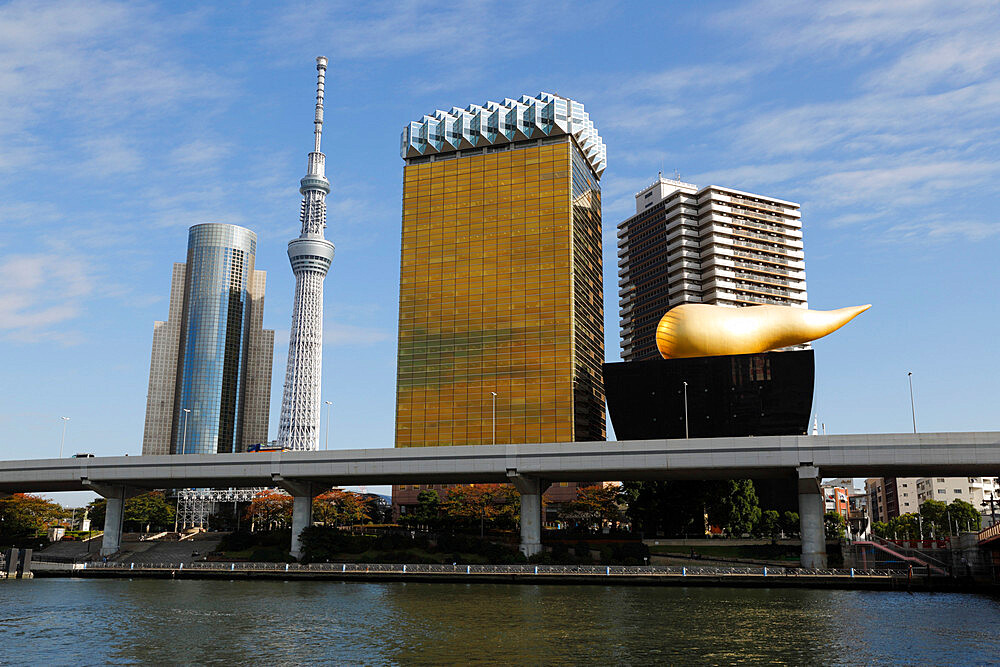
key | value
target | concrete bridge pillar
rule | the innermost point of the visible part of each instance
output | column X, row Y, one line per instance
column 302, row 498
column 114, row 514
column 811, row 525
column 531, row 490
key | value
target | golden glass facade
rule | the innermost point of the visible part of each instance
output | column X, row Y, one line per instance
column 501, row 291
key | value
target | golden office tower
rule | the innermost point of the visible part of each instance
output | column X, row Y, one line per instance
column 500, row 287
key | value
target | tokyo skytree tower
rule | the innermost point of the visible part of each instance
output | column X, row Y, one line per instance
column 311, row 256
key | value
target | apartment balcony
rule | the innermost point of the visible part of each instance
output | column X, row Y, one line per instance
column 679, row 244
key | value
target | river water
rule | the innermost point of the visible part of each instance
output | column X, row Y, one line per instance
column 119, row 621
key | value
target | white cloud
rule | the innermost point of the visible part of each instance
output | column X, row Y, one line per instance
column 933, row 231
column 40, row 291
column 446, row 32
column 903, row 184
column 83, row 67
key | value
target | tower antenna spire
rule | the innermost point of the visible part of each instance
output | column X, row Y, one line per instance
column 320, row 91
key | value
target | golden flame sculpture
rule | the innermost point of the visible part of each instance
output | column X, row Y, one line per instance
column 703, row 330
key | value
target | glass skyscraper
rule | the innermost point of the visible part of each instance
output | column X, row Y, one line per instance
column 501, row 278
column 210, row 372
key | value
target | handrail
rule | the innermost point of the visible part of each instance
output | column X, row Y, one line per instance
column 920, row 559
column 917, row 553
column 989, row 533
column 520, row 569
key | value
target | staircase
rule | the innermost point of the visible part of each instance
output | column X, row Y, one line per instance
column 912, row 557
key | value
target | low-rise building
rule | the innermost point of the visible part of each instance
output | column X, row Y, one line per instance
column 889, row 497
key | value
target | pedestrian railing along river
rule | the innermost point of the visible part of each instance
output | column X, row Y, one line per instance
column 471, row 570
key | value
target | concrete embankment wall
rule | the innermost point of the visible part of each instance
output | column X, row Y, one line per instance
column 744, row 580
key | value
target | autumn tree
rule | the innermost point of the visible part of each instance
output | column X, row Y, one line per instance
column 22, row 515
column 269, row 509
column 337, row 507
column 594, row 506
column 494, row 505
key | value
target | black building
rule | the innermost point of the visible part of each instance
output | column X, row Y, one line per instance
column 727, row 396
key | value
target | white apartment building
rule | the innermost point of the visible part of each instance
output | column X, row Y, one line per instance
column 973, row 490
column 715, row 245
column 892, row 496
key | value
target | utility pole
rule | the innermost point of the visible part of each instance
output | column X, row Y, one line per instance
column 913, row 409
column 687, row 433
column 326, row 444
column 494, row 417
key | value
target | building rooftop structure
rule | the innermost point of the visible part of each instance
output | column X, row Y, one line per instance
column 496, row 125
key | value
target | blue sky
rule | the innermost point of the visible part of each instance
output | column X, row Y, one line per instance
column 122, row 124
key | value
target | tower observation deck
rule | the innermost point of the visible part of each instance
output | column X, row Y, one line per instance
column 310, row 255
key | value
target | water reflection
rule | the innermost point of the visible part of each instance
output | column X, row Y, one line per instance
column 64, row 621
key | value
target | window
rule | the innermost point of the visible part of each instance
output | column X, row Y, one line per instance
column 940, row 492
column 958, row 491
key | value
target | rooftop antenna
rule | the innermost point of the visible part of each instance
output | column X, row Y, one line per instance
column 320, row 90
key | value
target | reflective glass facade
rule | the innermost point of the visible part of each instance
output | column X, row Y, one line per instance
column 214, row 340
column 500, row 291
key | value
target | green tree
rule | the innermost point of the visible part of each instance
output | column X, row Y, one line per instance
column 734, row 506
column 904, row 527
column 96, row 510
column 790, row 523
column 23, row 515
column 834, row 524
column 427, row 512
column 934, row 513
column 965, row 515
column 143, row 512
column 770, row 524
column 881, row 528
column 148, row 511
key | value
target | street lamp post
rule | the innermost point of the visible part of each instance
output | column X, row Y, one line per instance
column 63, row 441
column 184, row 437
column 494, row 417
column 326, row 443
column 992, row 504
column 913, row 409
column 686, row 432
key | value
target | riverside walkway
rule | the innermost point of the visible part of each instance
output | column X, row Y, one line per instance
column 524, row 573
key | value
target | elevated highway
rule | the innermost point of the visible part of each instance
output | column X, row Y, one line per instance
column 531, row 467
